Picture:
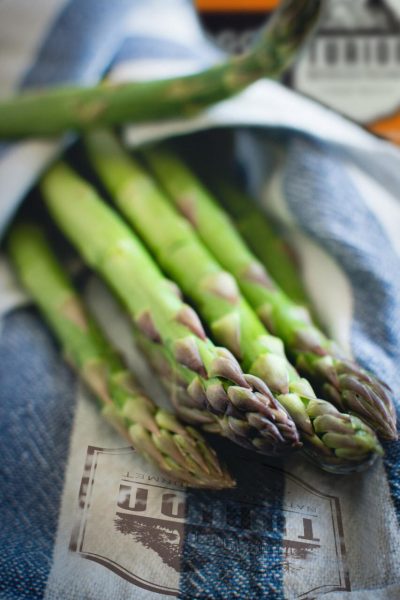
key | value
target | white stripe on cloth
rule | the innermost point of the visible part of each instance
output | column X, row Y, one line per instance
column 12, row 296
column 391, row 592
column 20, row 168
column 327, row 287
column 139, row 71
column 371, row 535
column 24, row 25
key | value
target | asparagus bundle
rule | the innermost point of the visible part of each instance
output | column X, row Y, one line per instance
column 344, row 382
column 232, row 403
column 52, row 111
column 333, row 439
column 177, row 450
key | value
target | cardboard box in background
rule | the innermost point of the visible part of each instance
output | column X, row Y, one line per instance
column 351, row 65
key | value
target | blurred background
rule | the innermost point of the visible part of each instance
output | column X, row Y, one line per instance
column 352, row 64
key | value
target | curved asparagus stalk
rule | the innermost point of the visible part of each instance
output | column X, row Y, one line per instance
column 52, row 111
column 177, row 450
column 233, row 323
column 344, row 382
column 239, row 406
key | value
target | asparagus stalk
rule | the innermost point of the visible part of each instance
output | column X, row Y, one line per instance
column 343, row 381
column 237, row 405
column 263, row 239
column 177, row 450
column 233, row 323
column 52, row 111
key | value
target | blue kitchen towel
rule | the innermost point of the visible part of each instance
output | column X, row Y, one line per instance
column 70, row 526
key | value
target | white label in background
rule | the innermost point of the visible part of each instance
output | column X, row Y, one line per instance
column 353, row 63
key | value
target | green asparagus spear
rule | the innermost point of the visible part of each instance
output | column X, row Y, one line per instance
column 345, row 383
column 263, row 240
column 177, row 450
column 238, row 406
column 52, row 111
column 233, row 323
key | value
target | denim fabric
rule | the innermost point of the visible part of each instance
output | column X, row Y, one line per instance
column 71, row 52
column 37, row 395
column 233, row 545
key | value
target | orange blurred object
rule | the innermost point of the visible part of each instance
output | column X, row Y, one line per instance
column 388, row 127
column 235, row 5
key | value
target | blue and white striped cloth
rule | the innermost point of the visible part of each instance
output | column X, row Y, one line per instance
column 288, row 531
